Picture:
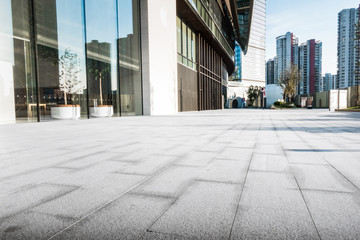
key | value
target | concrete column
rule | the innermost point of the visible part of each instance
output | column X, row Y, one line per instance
column 159, row 56
column 7, row 98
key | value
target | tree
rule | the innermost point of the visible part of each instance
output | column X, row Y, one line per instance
column 252, row 94
column 99, row 71
column 69, row 73
column 289, row 82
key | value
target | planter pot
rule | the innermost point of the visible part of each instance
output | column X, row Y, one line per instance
column 64, row 112
column 102, row 111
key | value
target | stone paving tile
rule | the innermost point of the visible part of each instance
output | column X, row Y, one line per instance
column 163, row 236
column 263, row 223
column 347, row 164
column 242, row 144
column 91, row 174
column 225, row 171
column 198, row 159
column 272, row 163
column 87, row 161
column 205, row 211
column 213, row 147
column 306, row 157
column 170, row 183
column 274, row 149
column 270, row 180
column 183, row 158
column 20, row 201
column 239, row 154
column 30, row 179
column 181, row 150
column 289, row 145
column 149, row 165
column 336, row 215
column 276, row 199
column 321, row 177
column 32, row 226
column 126, row 218
column 138, row 155
column 82, row 201
column 126, row 149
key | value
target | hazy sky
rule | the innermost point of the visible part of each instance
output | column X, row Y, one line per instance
column 307, row 19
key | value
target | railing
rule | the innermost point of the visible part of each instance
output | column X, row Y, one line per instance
column 186, row 61
column 205, row 15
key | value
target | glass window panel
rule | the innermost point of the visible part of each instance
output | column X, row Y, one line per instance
column 17, row 82
column 178, row 31
column 188, row 37
column 193, row 47
column 101, row 37
column 129, row 57
column 61, row 58
column 184, row 48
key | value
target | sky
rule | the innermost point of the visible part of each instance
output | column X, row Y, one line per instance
column 307, row 19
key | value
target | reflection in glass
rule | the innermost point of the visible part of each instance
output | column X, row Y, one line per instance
column 61, row 58
column 186, row 44
column 17, row 80
column 99, row 71
column 129, row 57
column 101, row 35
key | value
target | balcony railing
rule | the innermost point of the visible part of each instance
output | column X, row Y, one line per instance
column 208, row 19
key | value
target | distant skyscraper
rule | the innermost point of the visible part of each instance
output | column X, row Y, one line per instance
column 250, row 65
column 329, row 82
column 236, row 76
column 253, row 62
column 347, row 53
column 285, row 53
column 270, row 71
column 310, row 67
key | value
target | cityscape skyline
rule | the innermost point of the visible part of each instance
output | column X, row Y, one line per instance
column 281, row 18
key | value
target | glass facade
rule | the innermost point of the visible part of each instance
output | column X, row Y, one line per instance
column 186, row 44
column 60, row 45
column 236, row 76
column 69, row 59
column 210, row 12
column 18, row 96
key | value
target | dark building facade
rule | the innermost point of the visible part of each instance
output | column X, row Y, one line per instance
column 270, row 71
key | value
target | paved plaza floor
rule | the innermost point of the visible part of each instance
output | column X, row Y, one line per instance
column 231, row 174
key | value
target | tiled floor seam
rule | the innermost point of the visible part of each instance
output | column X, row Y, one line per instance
column 322, row 157
column 137, row 185
column 48, row 166
column 184, row 190
column 167, row 234
column 301, row 192
column 48, row 199
column 242, row 191
column 37, row 184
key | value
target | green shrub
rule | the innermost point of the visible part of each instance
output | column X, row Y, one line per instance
column 284, row 105
column 277, row 104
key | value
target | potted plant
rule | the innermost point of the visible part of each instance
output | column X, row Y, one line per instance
column 101, row 110
column 69, row 84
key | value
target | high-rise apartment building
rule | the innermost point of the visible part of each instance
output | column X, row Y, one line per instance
column 348, row 48
column 307, row 57
column 285, row 53
column 310, row 67
column 93, row 58
column 329, row 82
column 270, row 71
